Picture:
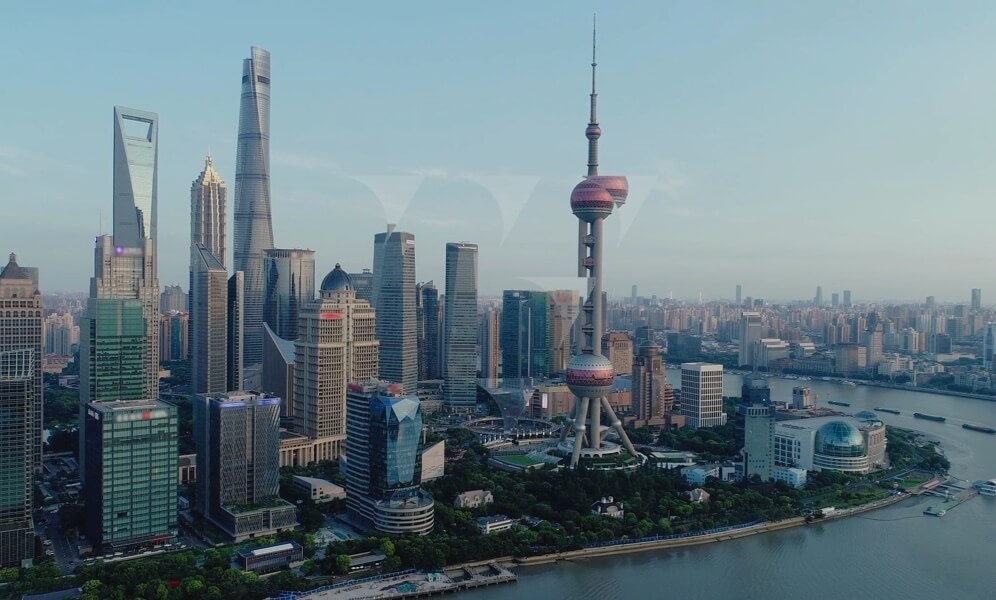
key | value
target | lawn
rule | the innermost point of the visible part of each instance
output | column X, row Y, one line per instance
column 518, row 459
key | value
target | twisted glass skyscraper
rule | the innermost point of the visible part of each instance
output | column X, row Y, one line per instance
column 253, row 227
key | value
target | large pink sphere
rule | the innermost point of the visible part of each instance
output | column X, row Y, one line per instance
column 616, row 185
column 590, row 201
column 590, row 376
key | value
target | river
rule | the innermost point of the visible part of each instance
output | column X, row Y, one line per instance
column 895, row 552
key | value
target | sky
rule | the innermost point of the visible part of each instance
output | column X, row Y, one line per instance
column 780, row 145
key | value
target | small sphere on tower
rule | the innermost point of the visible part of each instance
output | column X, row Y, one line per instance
column 591, row 201
column 593, row 132
column 616, row 185
column 590, row 376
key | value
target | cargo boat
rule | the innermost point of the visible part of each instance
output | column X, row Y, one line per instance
column 930, row 417
column 834, row 402
column 981, row 428
column 888, row 410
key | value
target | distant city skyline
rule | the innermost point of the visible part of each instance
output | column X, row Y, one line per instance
column 735, row 133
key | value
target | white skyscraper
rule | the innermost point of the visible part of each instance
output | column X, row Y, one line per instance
column 702, row 394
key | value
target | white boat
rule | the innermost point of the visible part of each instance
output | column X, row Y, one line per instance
column 986, row 488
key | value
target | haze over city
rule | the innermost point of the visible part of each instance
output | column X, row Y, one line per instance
column 781, row 146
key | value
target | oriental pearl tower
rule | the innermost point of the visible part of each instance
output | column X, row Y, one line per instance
column 589, row 374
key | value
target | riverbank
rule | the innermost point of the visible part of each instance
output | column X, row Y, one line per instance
column 704, row 538
column 910, row 388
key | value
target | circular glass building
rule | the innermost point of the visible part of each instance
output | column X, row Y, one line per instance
column 840, row 446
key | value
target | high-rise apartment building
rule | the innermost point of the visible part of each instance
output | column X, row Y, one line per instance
column 21, row 403
column 750, row 333
column 740, row 295
column 208, row 323
column 759, row 428
column 564, row 310
column 976, row 299
column 617, row 346
column 818, row 299
column 174, row 330
column 62, row 335
column 702, row 395
column 173, row 299
column 525, row 334
column 337, row 344
column 384, row 471
column 649, row 382
column 430, row 360
column 238, row 464
column 394, row 302
column 289, row 276
column 131, row 465
column 835, row 300
column 488, row 332
column 460, row 328
column 253, row 227
column 207, row 213
column 847, row 298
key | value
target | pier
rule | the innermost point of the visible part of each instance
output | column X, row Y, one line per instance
column 411, row 584
column 953, row 495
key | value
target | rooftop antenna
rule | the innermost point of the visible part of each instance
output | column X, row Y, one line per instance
column 593, row 132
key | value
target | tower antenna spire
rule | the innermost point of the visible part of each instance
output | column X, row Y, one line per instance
column 593, row 132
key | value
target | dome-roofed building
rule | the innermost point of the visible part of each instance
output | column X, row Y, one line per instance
column 849, row 444
column 336, row 281
column 866, row 415
column 839, row 438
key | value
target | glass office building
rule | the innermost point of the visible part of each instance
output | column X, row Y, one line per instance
column 525, row 334
column 112, row 355
column 131, row 464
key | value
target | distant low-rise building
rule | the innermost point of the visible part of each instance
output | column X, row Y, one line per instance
column 699, row 496
column 791, row 476
column 271, row 558
column 494, row 524
column 473, row 499
column 608, row 507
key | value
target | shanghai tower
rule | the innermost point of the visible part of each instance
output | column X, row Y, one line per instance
column 253, row 226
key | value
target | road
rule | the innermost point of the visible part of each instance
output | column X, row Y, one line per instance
column 65, row 554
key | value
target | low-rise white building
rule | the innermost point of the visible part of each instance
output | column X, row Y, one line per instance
column 791, row 476
column 608, row 507
column 698, row 474
column 319, row 490
column 494, row 524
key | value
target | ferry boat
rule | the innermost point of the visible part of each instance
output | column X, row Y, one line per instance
column 934, row 512
column 986, row 488
column 837, row 403
column 930, row 417
column 980, row 428
column 850, row 383
column 887, row 410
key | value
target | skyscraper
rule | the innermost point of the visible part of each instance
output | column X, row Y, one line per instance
column 525, row 334
column 253, row 228
column 136, row 158
column 363, row 284
column 337, row 344
column 384, row 468
column 131, row 465
column 488, row 331
column 590, row 375
column 207, row 213
column 759, row 428
column 702, row 394
column 394, row 303
column 208, row 323
column 750, row 334
column 172, row 299
column 818, row 300
column 563, row 313
column 234, row 310
column 430, row 360
column 740, row 297
column 238, row 464
column 174, row 336
column 847, row 298
column 976, row 299
column 617, row 346
column 649, row 382
column 460, row 326
column 835, row 300
column 61, row 334
column 21, row 404
column 289, row 276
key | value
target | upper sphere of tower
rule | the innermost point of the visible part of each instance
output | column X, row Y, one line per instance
column 593, row 132
column 616, row 185
column 590, row 201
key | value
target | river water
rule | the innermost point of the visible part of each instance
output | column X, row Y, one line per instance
column 895, row 552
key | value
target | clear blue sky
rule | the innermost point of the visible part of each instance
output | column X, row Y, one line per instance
column 776, row 144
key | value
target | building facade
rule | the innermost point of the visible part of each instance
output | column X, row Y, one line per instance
column 525, row 334
column 394, row 302
column 460, row 328
column 649, row 384
column 207, row 213
column 617, row 346
column 131, row 465
column 384, row 454
column 750, row 333
column 208, row 323
column 337, row 344
column 759, row 428
column 289, row 285
column 236, row 329
column 564, row 311
column 702, row 395
column 488, row 332
column 238, row 464
column 428, row 336
column 253, row 227
column 21, row 405
column 173, row 299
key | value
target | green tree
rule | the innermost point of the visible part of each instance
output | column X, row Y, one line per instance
column 342, row 563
